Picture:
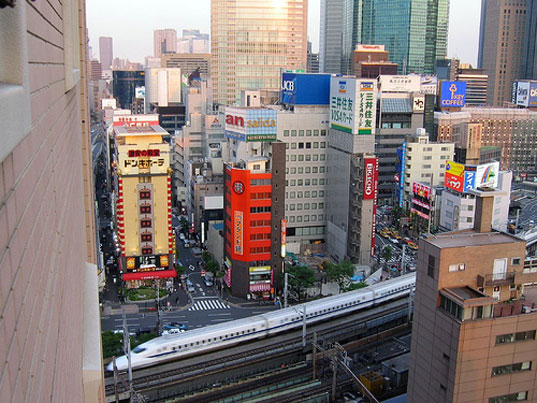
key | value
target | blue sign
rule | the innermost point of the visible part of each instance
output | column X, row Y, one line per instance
column 305, row 89
column 470, row 173
column 453, row 94
column 400, row 190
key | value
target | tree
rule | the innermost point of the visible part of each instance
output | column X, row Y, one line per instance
column 179, row 269
column 211, row 265
column 183, row 222
column 339, row 273
column 387, row 253
column 301, row 277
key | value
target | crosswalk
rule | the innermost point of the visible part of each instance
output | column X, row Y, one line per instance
column 208, row 305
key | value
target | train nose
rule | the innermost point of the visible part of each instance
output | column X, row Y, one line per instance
column 121, row 364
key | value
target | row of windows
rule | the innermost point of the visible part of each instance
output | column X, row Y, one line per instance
column 514, row 337
column 450, row 306
column 259, row 237
column 307, row 145
column 260, row 196
column 301, row 182
column 511, row 397
column 307, row 194
column 306, row 218
column 305, row 206
column 260, row 209
column 301, row 133
column 260, row 182
column 511, row 368
column 305, row 157
column 301, row 170
column 260, row 223
column 261, row 249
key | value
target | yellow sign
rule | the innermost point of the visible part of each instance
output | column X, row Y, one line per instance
column 263, row 269
column 131, row 263
column 454, row 168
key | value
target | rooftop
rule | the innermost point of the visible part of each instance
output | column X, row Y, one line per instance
column 469, row 238
column 140, row 131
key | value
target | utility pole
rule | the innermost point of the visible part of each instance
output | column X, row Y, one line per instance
column 286, row 279
column 158, row 308
column 116, row 392
column 403, row 260
column 314, row 356
column 127, row 350
column 304, row 326
column 333, row 365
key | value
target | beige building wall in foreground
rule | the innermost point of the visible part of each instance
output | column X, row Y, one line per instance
column 47, row 234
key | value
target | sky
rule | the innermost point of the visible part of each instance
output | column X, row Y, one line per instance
column 131, row 23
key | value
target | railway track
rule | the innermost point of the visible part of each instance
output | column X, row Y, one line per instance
column 198, row 369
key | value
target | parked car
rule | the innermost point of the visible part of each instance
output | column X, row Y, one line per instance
column 191, row 288
column 182, row 236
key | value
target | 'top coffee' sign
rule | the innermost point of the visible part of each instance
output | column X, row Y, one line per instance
column 453, row 94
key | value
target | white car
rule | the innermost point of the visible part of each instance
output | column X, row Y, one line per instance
column 182, row 236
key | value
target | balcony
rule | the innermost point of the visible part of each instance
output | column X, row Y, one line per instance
column 493, row 280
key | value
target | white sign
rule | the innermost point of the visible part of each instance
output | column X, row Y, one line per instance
column 418, row 104
column 353, row 105
column 487, row 175
column 410, row 83
column 522, row 93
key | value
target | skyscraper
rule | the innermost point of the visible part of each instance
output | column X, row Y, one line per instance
column 106, row 52
column 251, row 41
column 164, row 41
column 413, row 31
column 330, row 36
column 529, row 62
column 501, row 45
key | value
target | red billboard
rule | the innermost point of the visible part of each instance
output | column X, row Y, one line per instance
column 370, row 178
column 421, row 190
column 454, row 182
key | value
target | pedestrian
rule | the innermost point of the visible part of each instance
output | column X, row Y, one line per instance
column 177, row 301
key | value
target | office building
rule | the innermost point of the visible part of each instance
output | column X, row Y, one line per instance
column 313, row 61
column 144, row 203
column 425, row 162
column 164, row 41
column 511, row 130
column 529, row 56
column 50, row 321
column 106, row 52
column 188, row 62
column 370, row 61
column 352, row 170
column 254, row 201
column 162, row 86
column 124, row 83
column 501, row 46
column 457, row 208
column 330, row 36
column 414, row 32
column 252, row 41
column 476, row 84
column 95, row 70
column 473, row 336
column 446, row 69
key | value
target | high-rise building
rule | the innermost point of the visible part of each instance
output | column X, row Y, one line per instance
column 529, row 57
column 187, row 62
column 370, row 61
column 501, row 46
column 254, row 202
column 313, row 61
column 124, row 85
column 106, row 52
column 330, row 36
column 251, row 41
column 413, row 31
column 144, row 205
column 50, row 326
column 164, row 41
column 476, row 84
column 473, row 335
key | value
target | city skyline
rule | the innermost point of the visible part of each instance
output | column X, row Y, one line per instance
column 463, row 33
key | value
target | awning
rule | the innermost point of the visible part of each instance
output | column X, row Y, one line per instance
column 149, row 275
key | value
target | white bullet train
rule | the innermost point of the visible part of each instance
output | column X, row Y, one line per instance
column 173, row 346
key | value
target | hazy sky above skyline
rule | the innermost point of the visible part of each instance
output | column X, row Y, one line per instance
column 131, row 23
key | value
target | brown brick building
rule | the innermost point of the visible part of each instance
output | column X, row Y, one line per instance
column 472, row 340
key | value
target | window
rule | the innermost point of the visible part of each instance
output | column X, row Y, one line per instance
column 457, row 267
column 293, row 171
column 301, row 158
column 512, row 397
column 145, row 209
column 315, row 144
column 316, row 132
column 515, row 261
column 300, row 146
column 293, row 157
column 451, row 307
column 293, row 146
column 146, row 223
column 286, row 133
column 315, row 157
column 308, row 170
column 314, row 170
column 293, row 133
column 300, row 182
column 430, row 266
column 147, row 251
column 511, row 368
column 145, row 194
column 301, row 133
column 323, row 157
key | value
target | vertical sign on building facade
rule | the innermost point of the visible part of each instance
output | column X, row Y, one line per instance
column 454, row 176
column 375, row 167
column 352, row 105
column 238, row 225
column 284, row 236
